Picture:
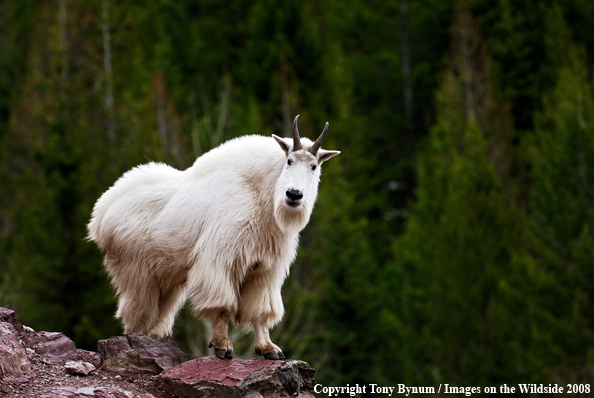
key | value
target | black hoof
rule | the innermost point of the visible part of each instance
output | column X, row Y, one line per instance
column 274, row 355
column 223, row 353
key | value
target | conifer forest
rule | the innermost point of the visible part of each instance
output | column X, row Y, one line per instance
column 453, row 238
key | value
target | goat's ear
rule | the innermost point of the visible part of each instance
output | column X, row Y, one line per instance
column 284, row 146
column 324, row 155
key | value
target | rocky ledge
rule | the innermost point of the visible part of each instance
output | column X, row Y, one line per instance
column 48, row 365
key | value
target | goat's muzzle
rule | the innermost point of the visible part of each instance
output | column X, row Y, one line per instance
column 293, row 197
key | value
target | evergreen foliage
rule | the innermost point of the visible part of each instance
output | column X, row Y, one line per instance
column 453, row 239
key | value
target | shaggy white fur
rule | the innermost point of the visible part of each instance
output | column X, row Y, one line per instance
column 221, row 233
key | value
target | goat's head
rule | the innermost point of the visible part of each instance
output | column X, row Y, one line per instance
column 297, row 186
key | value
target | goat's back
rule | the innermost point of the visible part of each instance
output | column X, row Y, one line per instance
column 155, row 207
column 131, row 204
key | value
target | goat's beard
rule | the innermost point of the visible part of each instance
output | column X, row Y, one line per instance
column 291, row 219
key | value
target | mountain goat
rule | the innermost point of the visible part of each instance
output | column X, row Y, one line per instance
column 222, row 233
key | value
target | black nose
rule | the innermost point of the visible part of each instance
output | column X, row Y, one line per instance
column 294, row 194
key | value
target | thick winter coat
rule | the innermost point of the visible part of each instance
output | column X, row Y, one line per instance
column 222, row 233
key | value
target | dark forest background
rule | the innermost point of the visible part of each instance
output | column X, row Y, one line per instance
column 453, row 238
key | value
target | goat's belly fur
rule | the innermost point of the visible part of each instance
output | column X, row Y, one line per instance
column 169, row 236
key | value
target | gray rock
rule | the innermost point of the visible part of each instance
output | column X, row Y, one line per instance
column 135, row 353
column 79, row 367
column 239, row 378
column 13, row 357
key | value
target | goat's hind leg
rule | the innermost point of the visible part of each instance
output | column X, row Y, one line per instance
column 137, row 302
column 137, row 314
column 170, row 303
column 138, row 307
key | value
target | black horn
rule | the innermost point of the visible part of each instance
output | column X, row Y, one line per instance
column 296, row 138
column 316, row 145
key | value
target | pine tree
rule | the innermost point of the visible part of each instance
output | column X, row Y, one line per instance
column 54, row 127
column 562, row 155
column 450, row 264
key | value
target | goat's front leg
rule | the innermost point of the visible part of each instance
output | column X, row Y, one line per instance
column 265, row 346
column 219, row 337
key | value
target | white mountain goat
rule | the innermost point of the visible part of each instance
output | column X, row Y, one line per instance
column 222, row 233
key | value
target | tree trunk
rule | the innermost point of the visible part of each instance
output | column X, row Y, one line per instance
column 407, row 86
column 108, row 70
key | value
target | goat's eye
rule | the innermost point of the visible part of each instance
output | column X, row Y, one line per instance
column 313, row 166
column 289, row 162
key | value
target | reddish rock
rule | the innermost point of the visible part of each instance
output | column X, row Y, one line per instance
column 87, row 356
column 92, row 392
column 135, row 353
column 55, row 347
column 13, row 358
column 32, row 364
column 8, row 315
column 213, row 377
